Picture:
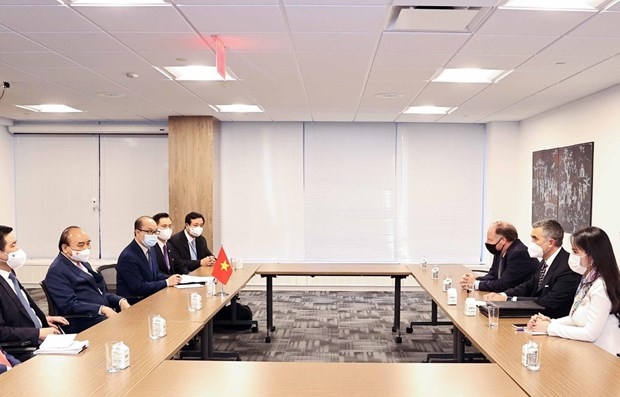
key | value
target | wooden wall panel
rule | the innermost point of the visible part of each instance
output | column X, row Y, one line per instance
column 192, row 146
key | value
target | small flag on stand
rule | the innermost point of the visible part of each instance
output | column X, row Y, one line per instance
column 222, row 270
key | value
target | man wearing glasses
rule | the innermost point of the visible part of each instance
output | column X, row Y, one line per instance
column 137, row 273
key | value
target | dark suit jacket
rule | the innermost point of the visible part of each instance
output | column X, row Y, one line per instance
column 12, row 360
column 161, row 263
column 134, row 278
column 514, row 268
column 179, row 247
column 77, row 293
column 557, row 291
column 15, row 323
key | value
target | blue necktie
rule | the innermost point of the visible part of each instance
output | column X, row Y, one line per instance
column 193, row 253
column 153, row 262
column 22, row 299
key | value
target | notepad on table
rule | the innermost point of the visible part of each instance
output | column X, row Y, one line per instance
column 61, row 344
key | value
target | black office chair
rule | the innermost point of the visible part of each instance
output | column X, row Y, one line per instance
column 108, row 272
column 22, row 350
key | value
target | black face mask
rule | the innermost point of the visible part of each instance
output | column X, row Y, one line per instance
column 492, row 248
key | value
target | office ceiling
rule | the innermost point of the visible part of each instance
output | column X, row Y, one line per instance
column 301, row 60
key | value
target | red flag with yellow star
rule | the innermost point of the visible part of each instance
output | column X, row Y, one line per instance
column 222, row 270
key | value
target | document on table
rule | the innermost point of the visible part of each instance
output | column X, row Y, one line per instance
column 187, row 279
column 534, row 333
column 61, row 344
column 190, row 285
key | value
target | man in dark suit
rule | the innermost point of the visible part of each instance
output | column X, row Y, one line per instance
column 189, row 247
column 75, row 288
column 554, row 284
column 165, row 259
column 137, row 274
column 511, row 263
column 21, row 320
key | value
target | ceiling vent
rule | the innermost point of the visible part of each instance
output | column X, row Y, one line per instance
column 437, row 19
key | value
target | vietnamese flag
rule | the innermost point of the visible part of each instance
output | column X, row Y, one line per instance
column 222, row 269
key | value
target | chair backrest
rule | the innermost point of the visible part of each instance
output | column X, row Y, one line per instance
column 51, row 307
column 108, row 272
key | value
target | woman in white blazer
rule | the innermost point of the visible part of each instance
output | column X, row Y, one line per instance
column 595, row 314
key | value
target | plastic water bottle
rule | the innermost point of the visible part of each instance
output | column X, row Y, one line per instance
column 423, row 264
column 533, row 357
column 435, row 273
column 447, row 282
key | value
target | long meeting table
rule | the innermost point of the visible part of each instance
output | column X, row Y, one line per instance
column 271, row 271
column 568, row 367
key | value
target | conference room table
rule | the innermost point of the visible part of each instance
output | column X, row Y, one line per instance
column 311, row 379
column 568, row 367
column 85, row 374
column 272, row 270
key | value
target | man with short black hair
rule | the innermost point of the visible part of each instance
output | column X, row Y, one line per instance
column 554, row 284
column 21, row 320
column 165, row 259
column 511, row 263
column 189, row 247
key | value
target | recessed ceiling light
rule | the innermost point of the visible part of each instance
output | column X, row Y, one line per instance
column 471, row 75
column 389, row 95
column 193, row 73
column 429, row 110
column 553, row 4
column 49, row 108
column 113, row 3
column 237, row 108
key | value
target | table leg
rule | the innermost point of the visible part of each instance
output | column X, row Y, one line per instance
column 270, row 327
column 397, row 289
column 206, row 341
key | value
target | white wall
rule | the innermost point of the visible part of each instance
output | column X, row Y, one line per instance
column 594, row 118
column 7, row 172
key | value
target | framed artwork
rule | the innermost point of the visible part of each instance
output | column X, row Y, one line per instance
column 562, row 185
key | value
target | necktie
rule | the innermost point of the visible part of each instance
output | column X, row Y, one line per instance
column 543, row 271
column 4, row 360
column 22, row 299
column 152, row 262
column 193, row 253
column 165, row 252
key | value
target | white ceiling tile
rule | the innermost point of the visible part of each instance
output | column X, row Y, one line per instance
column 445, row 94
column 336, row 2
column 12, row 42
column 606, row 24
column 35, row 59
column 125, row 59
column 505, row 45
column 136, row 19
column 226, row 19
column 85, row 41
column 317, row 66
column 410, row 60
column 532, row 23
column 257, row 42
column 316, row 18
column 414, row 42
column 498, row 62
column 584, row 46
column 565, row 64
column 335, row 42
column 162, row 42
column 403, row 77
column 52, row 18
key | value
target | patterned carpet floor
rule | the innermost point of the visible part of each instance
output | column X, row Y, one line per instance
column 332, row 326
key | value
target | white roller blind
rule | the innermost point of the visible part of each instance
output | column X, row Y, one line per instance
column 349, row 182
column 262, row 191
column 56, row 185
column 134, row 182
column 440, row 190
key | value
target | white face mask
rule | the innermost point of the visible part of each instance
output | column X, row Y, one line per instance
column 80, row 256
column 150, row 240
column 195, row 231
column 535, row 250
column 16, row 259
column 165, row 234
column 574, row 261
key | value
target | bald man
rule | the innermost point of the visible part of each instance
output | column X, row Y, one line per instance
column 137, row 273
column 75, row 288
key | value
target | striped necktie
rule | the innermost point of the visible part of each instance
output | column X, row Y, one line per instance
column 24, row 301
column 543, row 271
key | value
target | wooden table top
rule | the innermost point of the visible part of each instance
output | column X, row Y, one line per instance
column 333, row 269
column 300, row 379
column 568, row 367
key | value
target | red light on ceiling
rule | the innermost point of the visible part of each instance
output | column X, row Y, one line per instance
column 220, row 56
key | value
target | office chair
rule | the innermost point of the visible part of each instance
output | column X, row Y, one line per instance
column 109, row 275
column 23, row 350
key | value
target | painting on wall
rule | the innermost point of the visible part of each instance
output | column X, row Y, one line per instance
column 562, row 185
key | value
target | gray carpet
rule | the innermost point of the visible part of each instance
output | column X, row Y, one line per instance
column 332, row 326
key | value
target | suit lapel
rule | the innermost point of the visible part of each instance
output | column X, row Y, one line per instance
column 9, row 292
column 79, row 272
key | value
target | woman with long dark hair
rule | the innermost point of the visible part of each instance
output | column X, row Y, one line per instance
column 595, row 314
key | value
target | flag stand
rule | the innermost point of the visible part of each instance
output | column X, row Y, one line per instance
column 222, row 293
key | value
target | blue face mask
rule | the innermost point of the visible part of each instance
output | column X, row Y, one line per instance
column 150, row 240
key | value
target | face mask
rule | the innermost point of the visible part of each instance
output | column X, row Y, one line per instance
column 195, row 231
column 80, row 256
column 535, row 250
column 150, row 240
column 165, row 234
column 492, row 248
column 16, row 259
column 574, row 261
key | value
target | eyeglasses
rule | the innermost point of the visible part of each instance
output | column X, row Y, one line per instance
column 149, row 231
